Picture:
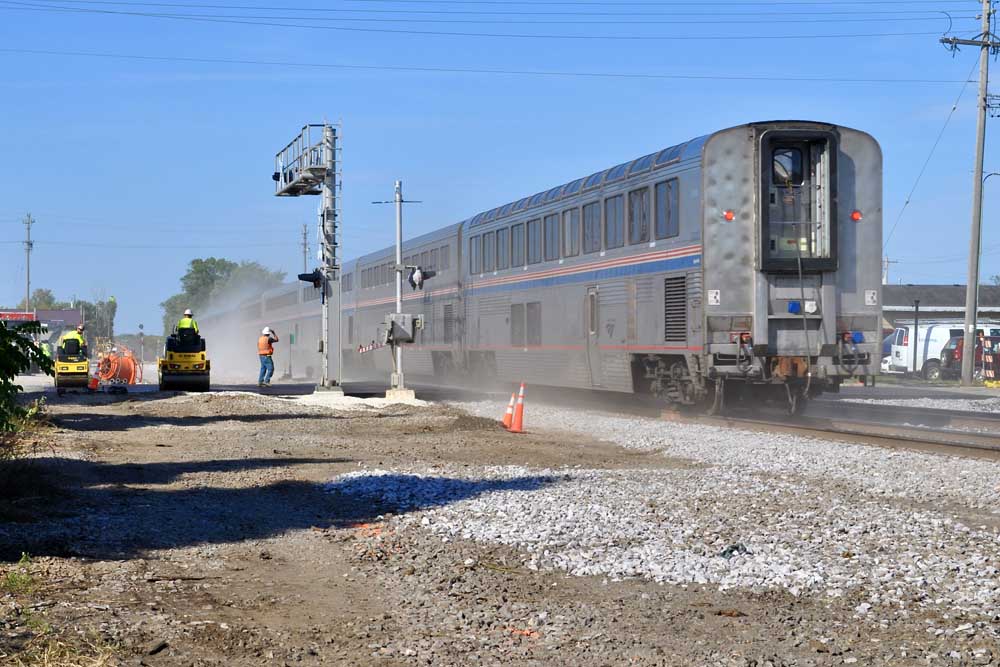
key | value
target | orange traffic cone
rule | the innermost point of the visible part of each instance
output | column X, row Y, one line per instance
column 517, row 426
column 92, row 384
column 509, row 415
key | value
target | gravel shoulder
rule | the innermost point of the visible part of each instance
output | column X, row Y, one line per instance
column 233, row 528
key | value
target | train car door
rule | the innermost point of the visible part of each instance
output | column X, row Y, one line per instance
column 592, row 322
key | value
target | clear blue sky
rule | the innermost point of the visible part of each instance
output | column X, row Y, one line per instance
column 132, row 156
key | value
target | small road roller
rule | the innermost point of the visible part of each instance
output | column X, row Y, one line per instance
column 184, row 365
column 71, row 367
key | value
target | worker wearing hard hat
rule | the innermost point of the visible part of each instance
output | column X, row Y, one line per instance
column 76, row 335
column 265, row 350
column 186, row 322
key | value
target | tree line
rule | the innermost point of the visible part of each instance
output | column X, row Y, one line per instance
column 217, row 283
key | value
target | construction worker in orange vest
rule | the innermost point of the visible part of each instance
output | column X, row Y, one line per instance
column 265, row 350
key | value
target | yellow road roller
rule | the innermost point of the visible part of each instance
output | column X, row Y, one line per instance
column 71, row 367
column 184, row 365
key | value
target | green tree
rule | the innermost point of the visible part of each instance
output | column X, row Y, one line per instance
column 215, row 281
column 99, row 316
column 249, row 278
column 203, row 277
column 18, row 351
column 44, row 299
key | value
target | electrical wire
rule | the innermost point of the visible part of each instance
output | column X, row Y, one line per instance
column 471, row 70
column 205, row 18
column 930, row 155
column 156, row 246
column 558, row 19
column 668, row 3
column 713, row 15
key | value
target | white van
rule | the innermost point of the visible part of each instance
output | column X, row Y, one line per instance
column 932, row 338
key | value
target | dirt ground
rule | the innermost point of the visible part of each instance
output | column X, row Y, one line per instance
column 196, row 530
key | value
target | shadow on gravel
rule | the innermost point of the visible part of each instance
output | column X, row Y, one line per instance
column 112, row 521
column 83, row 421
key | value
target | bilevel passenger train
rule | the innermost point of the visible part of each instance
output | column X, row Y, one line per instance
column 741, row 264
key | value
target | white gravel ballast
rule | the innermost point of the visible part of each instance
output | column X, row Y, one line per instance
column 739, row 509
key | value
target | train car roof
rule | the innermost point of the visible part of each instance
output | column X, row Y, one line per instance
column 436, row 235
column 641, row 165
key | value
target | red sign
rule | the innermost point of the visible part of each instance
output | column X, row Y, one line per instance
column 16, row 316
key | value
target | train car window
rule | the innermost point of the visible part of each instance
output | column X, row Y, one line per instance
column 638, row 216
column 614, row 222
column 534, row 241
column 667, row 215
column 489, row 251
column 517, row 324
column 592, row 227
column 642, row 164
column 571, row 232
column 475, row 263
column 617, row 173
column 573, row 188
column 503, row 248
column 593, row 180
column 517, row 245
column 787, row 166
column 445, row 257
column 432, row 264
column 669, row 155
column 551, row 237
column 533, row 317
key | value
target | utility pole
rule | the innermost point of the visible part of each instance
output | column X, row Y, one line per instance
column 398, row 198
column 305, row 248
column 885, row 269
column 28, row 245
column 986, row 42
column 396, row 383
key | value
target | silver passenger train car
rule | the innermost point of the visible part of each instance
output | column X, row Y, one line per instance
column 741, row 264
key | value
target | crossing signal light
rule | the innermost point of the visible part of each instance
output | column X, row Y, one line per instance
column 316, row 278
column 418, row 276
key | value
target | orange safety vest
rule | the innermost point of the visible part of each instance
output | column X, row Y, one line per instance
column 264, row 345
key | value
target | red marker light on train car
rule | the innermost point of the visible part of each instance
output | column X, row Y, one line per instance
column 856, row 216
column 729, row 216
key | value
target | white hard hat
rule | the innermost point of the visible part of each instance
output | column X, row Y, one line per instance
column 188, row 313
column 266, row 331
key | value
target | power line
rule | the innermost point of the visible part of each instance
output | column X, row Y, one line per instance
column 668, row 3
column 947, row 120
column 470, row 70
column 706, row 19
column 23, row 6
column 467, row 12
column 168, row 247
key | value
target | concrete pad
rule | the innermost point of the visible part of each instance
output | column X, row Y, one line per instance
column 338, row 401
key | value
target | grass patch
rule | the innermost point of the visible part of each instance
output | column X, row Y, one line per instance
column 49, row 651
column 18, row 579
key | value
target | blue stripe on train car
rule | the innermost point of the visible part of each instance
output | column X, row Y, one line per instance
column 672, row 264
